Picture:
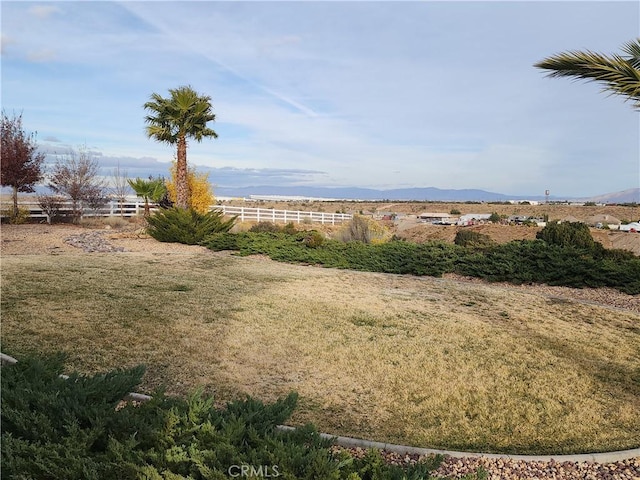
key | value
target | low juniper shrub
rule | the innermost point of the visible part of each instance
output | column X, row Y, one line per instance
column 77, row 428
column 187, row 225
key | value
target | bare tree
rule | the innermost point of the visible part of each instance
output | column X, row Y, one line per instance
column 76, row 177
column 120, row 186
column 51, row 206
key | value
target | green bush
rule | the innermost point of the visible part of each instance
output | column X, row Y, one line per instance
column 270, row 227
column 567, row 234
column 495, row 218
column 54, row 428
column 186, row 225
column 262, row 227
column 534, row 261
column 57, row 428
column 523, row 261
column 313, row 239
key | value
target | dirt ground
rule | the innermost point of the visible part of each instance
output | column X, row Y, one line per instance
column 423, row 232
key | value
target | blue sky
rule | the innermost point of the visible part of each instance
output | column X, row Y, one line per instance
column 351, row 94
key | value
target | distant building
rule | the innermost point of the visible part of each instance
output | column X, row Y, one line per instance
column 442, row 218
column 473, row 218
column 600, row 220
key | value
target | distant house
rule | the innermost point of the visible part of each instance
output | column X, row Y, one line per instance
column 472, row 218
column 442, row 218
column 385, row 215
column 633, row 227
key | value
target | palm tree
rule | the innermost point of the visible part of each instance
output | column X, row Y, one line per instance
column 151, row 189
column 620, row 74
column 184, row 114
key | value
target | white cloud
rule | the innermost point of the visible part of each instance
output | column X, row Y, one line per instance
column 43, row 11
column 5, row 41
column 44, row 55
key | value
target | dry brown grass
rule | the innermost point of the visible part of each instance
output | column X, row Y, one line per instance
column 421, row 361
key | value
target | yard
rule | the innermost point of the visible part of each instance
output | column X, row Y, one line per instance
column 441, row 363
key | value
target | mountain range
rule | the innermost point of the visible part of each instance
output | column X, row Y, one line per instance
column 412, row 194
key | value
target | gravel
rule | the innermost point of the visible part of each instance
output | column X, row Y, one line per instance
column 92, row 242
column 507, row 469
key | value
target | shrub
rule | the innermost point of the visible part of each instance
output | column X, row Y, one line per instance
column 313, row 239
column 495, row 218
column 262, row 227
column 200, row 190
column 523, row 261
column 187, row 226
column 51, row 206
column 471, row 238
column 535, row 261
column 20, row 217
column 565, row 234
column 78, row 429
column 57, row 428
column 454, row 211
column 289, row 229
column 363, row 229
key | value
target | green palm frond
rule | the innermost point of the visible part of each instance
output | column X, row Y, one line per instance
column 183, row 114
column 620, row 75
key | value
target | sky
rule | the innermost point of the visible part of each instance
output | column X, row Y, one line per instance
column 375, row 94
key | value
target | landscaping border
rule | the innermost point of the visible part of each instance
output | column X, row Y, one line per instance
column 604, row 457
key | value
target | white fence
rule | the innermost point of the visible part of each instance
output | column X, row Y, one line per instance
column 283, row 216
column 130, row 208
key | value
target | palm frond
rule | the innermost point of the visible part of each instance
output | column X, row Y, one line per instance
column 620, row 75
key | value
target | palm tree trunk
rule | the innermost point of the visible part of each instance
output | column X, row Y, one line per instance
column 182, row 186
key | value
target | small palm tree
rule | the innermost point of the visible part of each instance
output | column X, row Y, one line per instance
column 620, row 74
column 151, row 189
column 172, row 120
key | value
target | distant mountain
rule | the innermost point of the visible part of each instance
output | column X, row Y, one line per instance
column 412, row 194
column 626, row 196
column 415, row 194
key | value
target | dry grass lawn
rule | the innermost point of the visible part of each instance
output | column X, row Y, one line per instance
column 419, row 361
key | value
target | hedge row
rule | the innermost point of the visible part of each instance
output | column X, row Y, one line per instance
column 522, row 261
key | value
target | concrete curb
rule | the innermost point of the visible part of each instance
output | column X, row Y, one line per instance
column 605, row 457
